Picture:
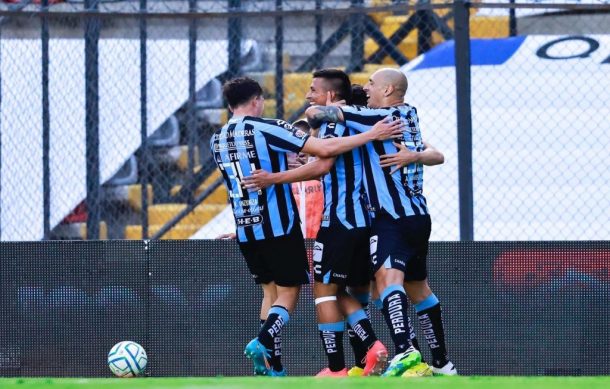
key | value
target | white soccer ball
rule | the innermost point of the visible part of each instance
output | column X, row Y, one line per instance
column 127, row 359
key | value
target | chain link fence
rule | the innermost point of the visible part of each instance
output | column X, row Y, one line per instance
column 107, row 108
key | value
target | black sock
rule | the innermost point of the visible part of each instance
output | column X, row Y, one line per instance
column 431, row 321
column 332, row 339
column 363, row 328
column 395, row 313
column 413, row 336
column 270, row 334
column 276, row 354
column 358, row 347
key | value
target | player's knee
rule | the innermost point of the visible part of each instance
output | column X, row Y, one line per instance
column 417, row 291
column 323, row 290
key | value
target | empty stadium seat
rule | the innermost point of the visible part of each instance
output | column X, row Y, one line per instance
column 168, row 134
column 127, row 174
column 210, row 96
column 251, row 56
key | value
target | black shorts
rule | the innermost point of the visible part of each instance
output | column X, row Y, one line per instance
column 282, row 260
column 401, row 244
column 341, row 256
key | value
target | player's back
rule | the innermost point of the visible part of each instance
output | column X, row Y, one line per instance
column 344, row 197
column 246, row 144
column 399, row 194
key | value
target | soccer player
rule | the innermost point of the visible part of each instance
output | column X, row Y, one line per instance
column 266, row 220
column 341, row 248
column 330, row 86
column 401, row 223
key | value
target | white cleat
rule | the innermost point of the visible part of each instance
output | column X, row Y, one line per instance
column 447, row 370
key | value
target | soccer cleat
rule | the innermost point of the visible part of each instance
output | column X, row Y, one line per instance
column 448, row 369
column 355, row 372
column 403, row 361
column 376, row 359
column 258, row 354
column 422, row 369
column 281, row 373
column 326, row 372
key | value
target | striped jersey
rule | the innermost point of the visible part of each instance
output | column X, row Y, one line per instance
column 344, row 196
column 399, row 194
column 248, row 143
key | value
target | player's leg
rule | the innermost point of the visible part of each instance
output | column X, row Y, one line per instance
column 330, row 327
column 376, row 354
column 371, row 354
column 390, row 251
column 427, row 305
column 429, row 313
column 285, row 260
column 361, row 294
column 376, row 300
column 329, row 276
column 269, row 297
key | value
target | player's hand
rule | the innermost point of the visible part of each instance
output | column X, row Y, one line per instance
column 230, row 235
column 331, row 103
column 402, row 158
column 387, row 128
column 260, row 179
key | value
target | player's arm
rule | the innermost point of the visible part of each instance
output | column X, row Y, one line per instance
column 318, row 114
column 382, row 130
column 429, row 157
column 261, row 179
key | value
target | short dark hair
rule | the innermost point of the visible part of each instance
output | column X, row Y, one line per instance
column 240, row 90
column 338, row 80
column 358, row 95
column 302, row 124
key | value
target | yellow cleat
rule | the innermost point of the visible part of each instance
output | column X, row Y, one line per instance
column 355, row 372
column 420, row 370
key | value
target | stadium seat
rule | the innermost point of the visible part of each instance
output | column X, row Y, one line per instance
column 163, row 213
column 251, row 56
column 130, row 194
column 127, row 174
column 178, row 155
column 210, row 96
column 208, row 181
column 166, row 135
column 214, row 116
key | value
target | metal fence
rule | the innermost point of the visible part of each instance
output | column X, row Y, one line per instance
column 107, row 107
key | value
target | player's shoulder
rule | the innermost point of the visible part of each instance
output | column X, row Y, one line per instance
column 217, row 134
column 268, row 122
column 366, row 111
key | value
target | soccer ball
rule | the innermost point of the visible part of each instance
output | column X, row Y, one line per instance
column 127, row 359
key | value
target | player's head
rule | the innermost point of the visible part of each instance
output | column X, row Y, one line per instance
column 294, row 159
column 386, row 87
column 334, row 81
column 302, row 125
column 243, row 93
column 358, row 95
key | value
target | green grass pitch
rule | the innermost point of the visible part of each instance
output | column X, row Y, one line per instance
column 311, row 382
